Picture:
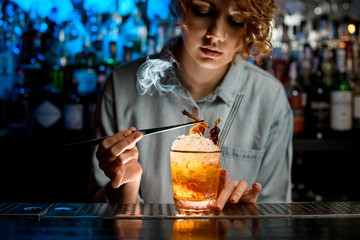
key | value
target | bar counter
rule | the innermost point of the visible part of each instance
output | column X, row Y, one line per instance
column 305, row 220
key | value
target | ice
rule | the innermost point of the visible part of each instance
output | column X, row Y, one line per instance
column 194, row 142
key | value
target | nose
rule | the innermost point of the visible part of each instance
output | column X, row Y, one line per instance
column 217, row 30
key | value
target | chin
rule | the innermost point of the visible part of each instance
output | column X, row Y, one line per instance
column 211, row 63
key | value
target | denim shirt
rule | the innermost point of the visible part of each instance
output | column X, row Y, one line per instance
column 258, row 147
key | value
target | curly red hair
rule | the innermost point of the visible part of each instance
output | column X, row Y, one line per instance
column 258, row 17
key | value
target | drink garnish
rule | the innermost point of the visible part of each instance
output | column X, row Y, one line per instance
column 199, row 127
column 214, row 132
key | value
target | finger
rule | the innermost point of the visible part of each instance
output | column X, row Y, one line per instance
column 223, row 178
column 117, row 177
column 110, row 141
column 132, row 171
column 232, row 190
column 126, row 173
column 111, row 170
column 132, row 128
column 252, row 194
column 238, row 192
column 128, row 142
column 122, row 159
column 227, row 191
column 256, row 187
column 136, row 136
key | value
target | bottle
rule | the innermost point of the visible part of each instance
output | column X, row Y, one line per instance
column 306, row 66
column 341, row 97
column 282, row 55
column 356, row 116
column 113, row 41
column 356, row 100
column 135, row 35
column 58, row 54
column 32, row 57
column 73, row 108
column 297, row 100
column 327, row 66
column 93, row 36
column 318, row 106
column 18, row 116
column 349, row 53
column 47, row 102
column 74, row 36
column 10, row 39
column 84, row 72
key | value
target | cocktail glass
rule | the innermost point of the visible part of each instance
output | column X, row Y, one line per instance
column 195, row 179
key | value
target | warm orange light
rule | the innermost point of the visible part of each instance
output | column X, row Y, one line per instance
column 346, row 38
column 351, row 28
column 342, row 45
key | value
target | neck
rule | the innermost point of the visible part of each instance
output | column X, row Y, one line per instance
column 200, row 81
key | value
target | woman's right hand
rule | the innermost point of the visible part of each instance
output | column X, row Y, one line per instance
column 118, row 157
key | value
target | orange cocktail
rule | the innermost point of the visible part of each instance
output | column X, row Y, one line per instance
column 195, row 178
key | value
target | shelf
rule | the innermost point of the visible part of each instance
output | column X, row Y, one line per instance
column 302, row 145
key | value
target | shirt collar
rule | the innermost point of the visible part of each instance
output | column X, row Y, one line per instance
column 231, row 83
column 228, row 88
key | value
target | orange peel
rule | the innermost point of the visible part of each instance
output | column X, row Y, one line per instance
column 199, row 127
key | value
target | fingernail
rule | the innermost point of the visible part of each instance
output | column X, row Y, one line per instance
column 256, row 185
column 217, row 208
column 223, row 172
column 114, row 186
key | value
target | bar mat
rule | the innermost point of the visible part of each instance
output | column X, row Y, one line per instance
column 233, row 211
column 78, row 210
column 24, row 210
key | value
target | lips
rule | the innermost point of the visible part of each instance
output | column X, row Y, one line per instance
column 210, row 53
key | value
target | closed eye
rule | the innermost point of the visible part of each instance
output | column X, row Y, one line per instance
column 202, row 8
column 236, row 23
column 202, row 11
column 236, row 19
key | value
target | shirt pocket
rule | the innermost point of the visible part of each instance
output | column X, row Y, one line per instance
column 242, row 164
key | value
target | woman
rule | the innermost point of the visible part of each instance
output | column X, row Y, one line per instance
column 201, row 71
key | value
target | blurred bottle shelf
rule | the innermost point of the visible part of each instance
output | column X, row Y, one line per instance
column 311, row 145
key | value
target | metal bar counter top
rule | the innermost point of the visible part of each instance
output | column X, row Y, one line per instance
column 306, row 220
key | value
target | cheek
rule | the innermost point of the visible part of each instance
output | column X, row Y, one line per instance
column 192, row 36
column 236, row 42
column 197, row 26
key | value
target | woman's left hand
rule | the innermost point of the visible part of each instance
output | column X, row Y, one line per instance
column 235, row 191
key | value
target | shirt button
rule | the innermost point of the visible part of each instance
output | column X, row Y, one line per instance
column 195, row 111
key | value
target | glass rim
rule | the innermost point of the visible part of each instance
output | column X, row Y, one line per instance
column 182, row 151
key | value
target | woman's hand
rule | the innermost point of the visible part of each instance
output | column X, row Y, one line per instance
column 118, row 157
column 235, row 191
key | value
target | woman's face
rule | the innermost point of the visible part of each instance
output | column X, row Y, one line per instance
column 213, row 32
